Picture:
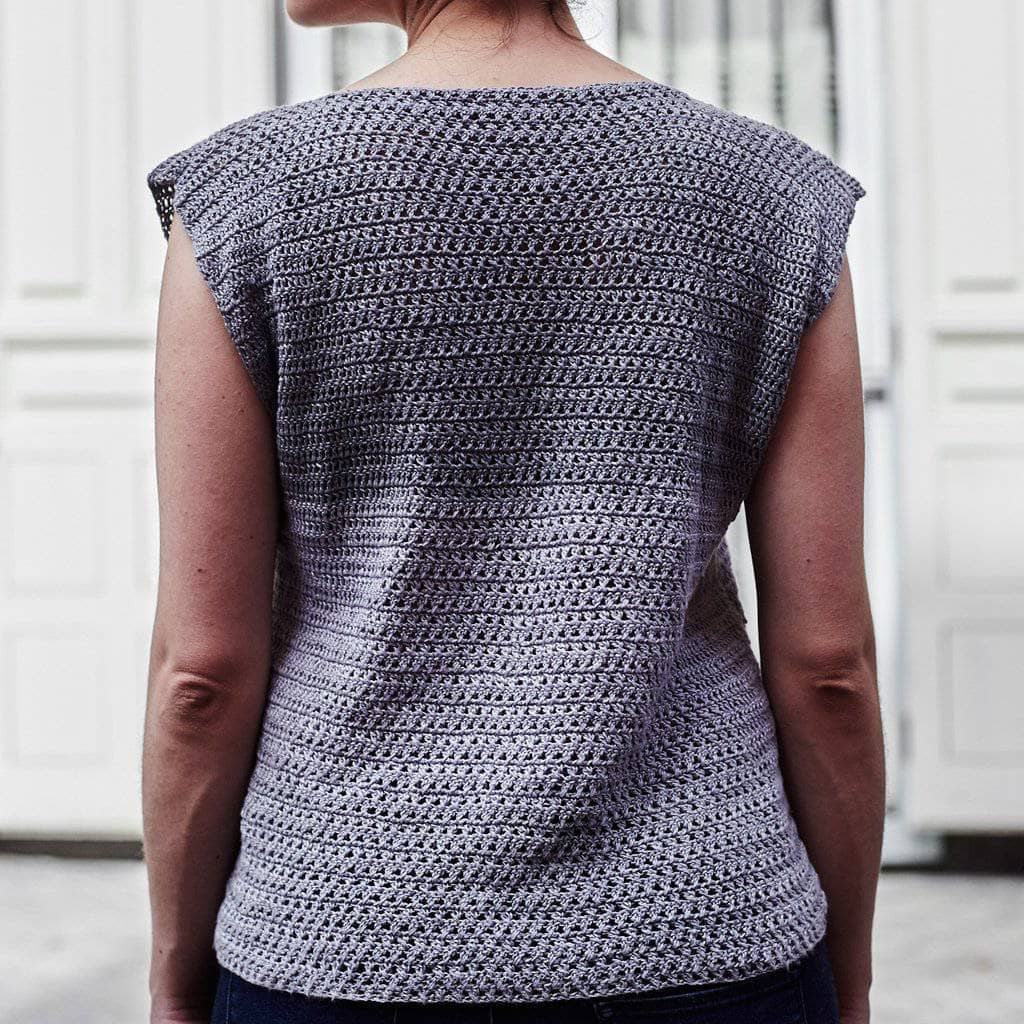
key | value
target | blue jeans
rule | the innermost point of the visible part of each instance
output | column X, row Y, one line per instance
column 802, row 993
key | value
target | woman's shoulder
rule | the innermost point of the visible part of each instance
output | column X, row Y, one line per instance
column 235, row 164
column 762, row 156
column 239, row 146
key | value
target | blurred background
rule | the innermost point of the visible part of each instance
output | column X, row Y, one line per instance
column 922, row 100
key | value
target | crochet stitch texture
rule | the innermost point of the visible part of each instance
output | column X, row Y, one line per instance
column 523, row 349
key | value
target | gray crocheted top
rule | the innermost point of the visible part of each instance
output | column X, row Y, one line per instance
column 523, row 348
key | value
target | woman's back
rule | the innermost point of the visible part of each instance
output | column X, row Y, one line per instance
column 523, row 349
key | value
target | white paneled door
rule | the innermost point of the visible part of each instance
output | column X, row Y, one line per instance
column 92, row 94
column 958, row 113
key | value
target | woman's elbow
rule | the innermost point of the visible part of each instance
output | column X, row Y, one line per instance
column 838, row 671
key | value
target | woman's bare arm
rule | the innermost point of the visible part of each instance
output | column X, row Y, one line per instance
column 805, row 518
column 210, row 652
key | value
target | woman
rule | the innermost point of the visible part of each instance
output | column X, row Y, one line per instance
column 462, row 373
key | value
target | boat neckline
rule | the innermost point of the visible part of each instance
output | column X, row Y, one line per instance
column 506, row 91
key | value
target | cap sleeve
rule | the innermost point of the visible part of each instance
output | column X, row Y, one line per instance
column 205, row 186
column 800, row 259
column 832, row 193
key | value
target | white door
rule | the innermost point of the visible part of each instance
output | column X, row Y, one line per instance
column 958, row 213
column 92, row 94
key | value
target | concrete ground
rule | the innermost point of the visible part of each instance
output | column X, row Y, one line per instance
column 949, row 949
